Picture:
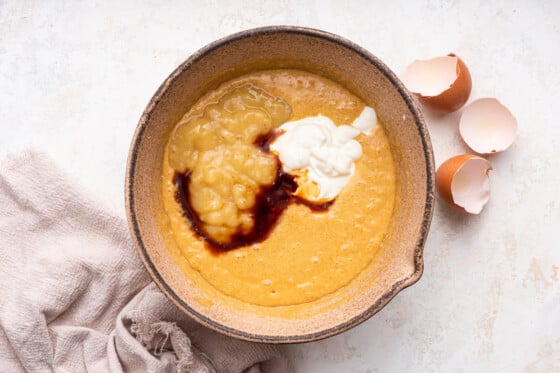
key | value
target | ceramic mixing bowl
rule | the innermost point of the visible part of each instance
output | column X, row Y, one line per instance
column 398, row 265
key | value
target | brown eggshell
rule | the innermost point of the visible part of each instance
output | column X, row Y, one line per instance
column 455, row 96
column 447, row 172
column 487, row 126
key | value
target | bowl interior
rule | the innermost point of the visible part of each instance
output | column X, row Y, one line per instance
column 399, row 263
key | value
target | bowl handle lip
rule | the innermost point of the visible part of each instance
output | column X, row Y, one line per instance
column 131, row 167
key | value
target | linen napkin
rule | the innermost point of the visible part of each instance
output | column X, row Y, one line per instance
column 75, row 297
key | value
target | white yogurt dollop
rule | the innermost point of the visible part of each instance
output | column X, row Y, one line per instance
column 320, row 154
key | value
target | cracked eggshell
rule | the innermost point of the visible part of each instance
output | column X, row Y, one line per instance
column 442, row 83
column 463, row 182
column 487, row 126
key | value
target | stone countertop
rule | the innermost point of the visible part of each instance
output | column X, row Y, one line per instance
column 76, row 76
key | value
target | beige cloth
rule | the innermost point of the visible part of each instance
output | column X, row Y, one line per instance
column 74, row 296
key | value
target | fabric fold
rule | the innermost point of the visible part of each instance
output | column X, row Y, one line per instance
column 75, row 296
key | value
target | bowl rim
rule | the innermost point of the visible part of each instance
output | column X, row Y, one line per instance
column 428, row 207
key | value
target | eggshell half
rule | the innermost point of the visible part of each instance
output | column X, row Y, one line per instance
column 443, row 83
column 463, row 182
column 487, row 126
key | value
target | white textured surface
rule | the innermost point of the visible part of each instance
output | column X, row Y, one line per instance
column 76, row 76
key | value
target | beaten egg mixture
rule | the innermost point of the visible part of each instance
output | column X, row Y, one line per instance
column 307, row 253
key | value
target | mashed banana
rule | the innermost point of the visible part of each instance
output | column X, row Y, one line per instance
column 226, row 170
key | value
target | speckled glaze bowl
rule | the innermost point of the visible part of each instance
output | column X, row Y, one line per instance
column 398, row 265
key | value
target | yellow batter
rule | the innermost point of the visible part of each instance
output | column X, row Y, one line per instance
column 308, row 254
